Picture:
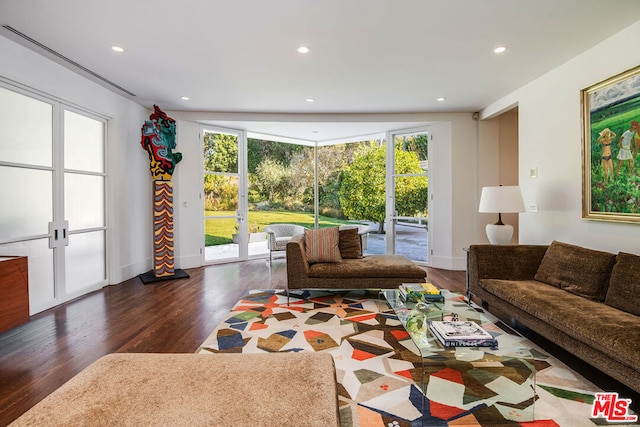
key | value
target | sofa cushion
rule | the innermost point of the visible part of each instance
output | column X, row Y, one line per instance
column 370, row 266
column 527, row 296
column 606, row 329
column 322, row 245
column 350, row 244
column 624, row 286
column 581, row 271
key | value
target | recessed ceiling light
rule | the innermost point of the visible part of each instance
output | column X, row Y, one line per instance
column 303, row 49
column 442, row 98
column 184, row 98
column 315, row 131
column 117, row 49
column 310, row 100
column 500, row 49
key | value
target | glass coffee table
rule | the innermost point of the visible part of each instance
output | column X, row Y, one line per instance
column 460, row 382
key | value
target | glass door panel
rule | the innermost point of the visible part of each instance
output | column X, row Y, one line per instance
column 410, row 194
column 83, row 143
column 84, row 201
column 410, row 228
column 224, row 233
column 85, row 262
column 280, row 189
column 222, row 240
column 29, row 196
column 26, row 125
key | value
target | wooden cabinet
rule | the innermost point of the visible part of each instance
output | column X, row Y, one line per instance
column 14, row 292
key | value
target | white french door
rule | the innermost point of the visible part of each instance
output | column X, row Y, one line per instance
column 83, row 191
column 224, row 195
column 407, row 204
column 52, row 166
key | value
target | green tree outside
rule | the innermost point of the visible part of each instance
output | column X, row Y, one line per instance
column 220, row 153
column 362, row 192
column 220, row 156
column 351, row 178
column 419, row 144
column 273, row 179
column 259, row 149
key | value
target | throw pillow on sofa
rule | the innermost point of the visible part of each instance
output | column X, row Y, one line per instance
column 322, row 245
column 581, row 271
column 350, row 244
column 624, row 286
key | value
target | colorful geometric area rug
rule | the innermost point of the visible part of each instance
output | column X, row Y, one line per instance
column 379, row 368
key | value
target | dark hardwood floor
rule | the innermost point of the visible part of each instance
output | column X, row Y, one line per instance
column 166, row 317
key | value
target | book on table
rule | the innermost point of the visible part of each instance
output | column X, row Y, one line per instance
column 461, row 334
column 420, row 291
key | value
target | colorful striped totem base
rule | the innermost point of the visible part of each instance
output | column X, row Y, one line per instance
column 163, row 263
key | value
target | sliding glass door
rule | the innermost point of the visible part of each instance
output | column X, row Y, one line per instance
column 84, row 203
column 53, row 197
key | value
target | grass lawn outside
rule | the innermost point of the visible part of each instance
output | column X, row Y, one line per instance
column 219, row 231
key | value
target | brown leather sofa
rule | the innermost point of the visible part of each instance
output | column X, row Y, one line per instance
column 368, row 272
column 585, row 301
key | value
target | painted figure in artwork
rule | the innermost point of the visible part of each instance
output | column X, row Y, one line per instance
column 636, row 137
column 606, row 138
column 159, row 138
column 625, row 148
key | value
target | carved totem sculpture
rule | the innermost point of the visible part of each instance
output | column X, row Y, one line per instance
column 159, row 138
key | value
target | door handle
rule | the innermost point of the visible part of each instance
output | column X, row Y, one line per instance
column 58, row 236
column 65, row 237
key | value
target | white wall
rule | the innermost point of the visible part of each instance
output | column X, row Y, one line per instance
column 454, row 171
column 550, row 139
column 129, row 185
column 488, row 160
column 497, row 165
column 187, row 188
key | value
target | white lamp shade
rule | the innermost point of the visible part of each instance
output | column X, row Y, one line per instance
column 503, row 199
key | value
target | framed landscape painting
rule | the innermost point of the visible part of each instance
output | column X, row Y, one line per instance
column 611, row 145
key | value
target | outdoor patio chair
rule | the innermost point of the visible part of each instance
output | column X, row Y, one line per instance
column 278, row 235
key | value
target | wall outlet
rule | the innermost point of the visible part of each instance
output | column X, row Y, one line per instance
column 533, row 207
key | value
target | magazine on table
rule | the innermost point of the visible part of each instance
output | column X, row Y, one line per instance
column 461, row 334
column 420, row 291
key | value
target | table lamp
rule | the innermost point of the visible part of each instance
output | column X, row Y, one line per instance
column 502, row 199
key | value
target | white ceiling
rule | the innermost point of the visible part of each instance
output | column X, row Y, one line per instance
column 367, row 56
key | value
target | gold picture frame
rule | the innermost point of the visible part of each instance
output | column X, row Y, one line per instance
column 611, row 148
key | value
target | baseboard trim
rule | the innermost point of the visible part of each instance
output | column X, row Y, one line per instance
column 448, row 263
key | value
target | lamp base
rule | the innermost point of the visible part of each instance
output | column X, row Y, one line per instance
column 499, row 234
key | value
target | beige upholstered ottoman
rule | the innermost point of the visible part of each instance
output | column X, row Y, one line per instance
column 272, row 389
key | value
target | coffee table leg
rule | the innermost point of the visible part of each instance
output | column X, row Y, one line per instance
column 467, row 290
